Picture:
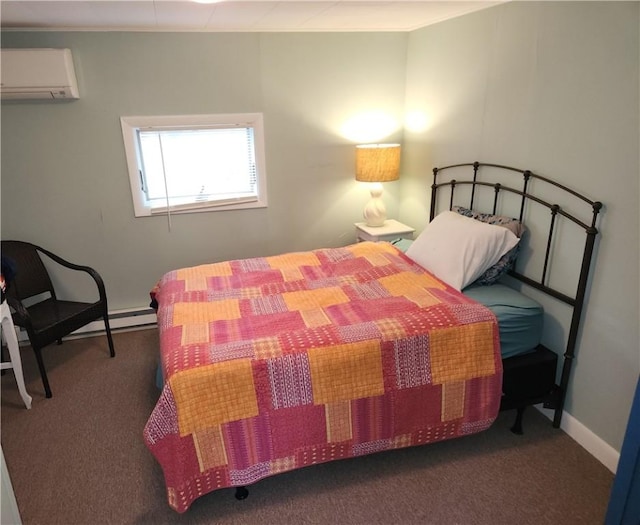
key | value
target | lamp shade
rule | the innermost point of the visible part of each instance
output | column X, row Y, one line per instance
column 377, row 162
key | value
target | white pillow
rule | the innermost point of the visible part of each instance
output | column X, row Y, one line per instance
column 458, row 249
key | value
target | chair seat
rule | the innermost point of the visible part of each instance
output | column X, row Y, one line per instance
column 63, row 317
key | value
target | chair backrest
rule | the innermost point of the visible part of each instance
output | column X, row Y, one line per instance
column 31, row 276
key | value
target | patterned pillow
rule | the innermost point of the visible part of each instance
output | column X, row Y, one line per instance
column 507, row 261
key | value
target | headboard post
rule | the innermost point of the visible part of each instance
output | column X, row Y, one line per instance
column 554, row 212
column 597, row 206
column 453, row 187
column 526, row 174
column 576, row 317
column 496, row 190
column 434, row 187
column 476, row 165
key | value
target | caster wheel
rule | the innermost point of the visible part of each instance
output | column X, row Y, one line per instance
column 241, row 493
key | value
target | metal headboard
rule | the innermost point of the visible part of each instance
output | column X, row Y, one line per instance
column 576, row 300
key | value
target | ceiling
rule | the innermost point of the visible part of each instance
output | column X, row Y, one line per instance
column 231, row 15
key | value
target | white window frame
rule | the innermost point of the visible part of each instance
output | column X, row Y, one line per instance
column 132, row 124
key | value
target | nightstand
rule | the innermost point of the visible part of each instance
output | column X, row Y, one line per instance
column 529, row 379
column 390, row 231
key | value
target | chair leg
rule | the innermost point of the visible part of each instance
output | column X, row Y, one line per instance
column 3, row 358
column 43, row 372
column 109, row 338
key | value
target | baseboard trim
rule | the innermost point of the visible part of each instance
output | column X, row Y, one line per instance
column 596, row 446
column 130, row 318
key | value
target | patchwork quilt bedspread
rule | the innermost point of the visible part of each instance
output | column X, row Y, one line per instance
column 276, row 363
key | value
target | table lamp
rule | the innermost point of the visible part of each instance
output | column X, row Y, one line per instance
column 377, row 163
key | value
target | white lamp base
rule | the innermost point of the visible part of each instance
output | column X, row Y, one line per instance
column 375, row 212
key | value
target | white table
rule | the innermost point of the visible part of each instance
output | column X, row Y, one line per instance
column 389, row 231
column 9, row 335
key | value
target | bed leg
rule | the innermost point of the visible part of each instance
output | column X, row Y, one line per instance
column 517, row 425
column 241, row 493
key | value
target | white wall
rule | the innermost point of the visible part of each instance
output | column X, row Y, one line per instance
column 9, row 513
column 551, row 87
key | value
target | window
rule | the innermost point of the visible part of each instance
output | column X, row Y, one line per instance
column 180, row 164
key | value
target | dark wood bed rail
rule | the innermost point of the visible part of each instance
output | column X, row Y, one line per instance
column 575, row 301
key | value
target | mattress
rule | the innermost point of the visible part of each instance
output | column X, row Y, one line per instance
column 520, row 318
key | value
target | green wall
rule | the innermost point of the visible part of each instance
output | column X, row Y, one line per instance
column 551, row 87
column 64, row 179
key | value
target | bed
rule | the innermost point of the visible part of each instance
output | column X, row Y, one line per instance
column 276, row 363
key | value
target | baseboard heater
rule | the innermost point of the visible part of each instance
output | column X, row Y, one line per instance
column 118, row 320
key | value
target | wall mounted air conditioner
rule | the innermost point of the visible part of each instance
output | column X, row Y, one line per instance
column 37, row 74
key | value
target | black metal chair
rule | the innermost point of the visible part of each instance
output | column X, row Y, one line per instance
column 50, row 319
